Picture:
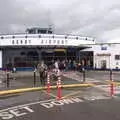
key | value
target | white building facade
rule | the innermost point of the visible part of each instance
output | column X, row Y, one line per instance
column 21, row 50
column 106, row 56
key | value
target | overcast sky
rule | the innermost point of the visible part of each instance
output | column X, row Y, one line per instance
column 96, row 18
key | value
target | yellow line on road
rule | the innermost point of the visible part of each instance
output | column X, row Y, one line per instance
column 113, row 82
column 5, row 92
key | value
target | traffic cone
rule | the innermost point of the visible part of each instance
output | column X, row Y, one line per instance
column 59, row 96
column 112, row 89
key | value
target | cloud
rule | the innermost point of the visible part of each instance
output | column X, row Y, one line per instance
column 97, row 18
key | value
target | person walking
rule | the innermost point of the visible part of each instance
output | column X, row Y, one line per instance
column 42, row 69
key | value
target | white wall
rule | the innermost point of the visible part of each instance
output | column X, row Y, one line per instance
column 113, row 49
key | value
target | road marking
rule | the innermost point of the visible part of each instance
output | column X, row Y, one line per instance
column 51, row 94
column 15, row 112
column 25, row 109
column 115, row 83
column 19, row 106
column 92, row 98
column 70, row 94
column 61, row 102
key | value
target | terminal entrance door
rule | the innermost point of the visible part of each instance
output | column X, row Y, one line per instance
column 49, row 56
column 87, row 58
column 60, row 54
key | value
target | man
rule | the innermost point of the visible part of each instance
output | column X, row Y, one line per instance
column 42, row 69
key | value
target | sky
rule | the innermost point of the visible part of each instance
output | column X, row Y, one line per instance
column 95, row 18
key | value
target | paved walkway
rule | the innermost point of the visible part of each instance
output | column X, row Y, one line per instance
column 26, row 79
column 75, row 75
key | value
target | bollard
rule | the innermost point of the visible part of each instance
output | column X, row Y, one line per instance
column 59, row 96
column 111, row 84
column 8, row 80
column 83, row 74
column 112, row 89
column 111, row 75
column 48, row 86
column 34, row 78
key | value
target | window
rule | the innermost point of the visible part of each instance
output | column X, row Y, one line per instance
column 50, row 32
column 103, row 48
column 21, row 41
column 17, row 41
column 13, row 42
column 117, row 57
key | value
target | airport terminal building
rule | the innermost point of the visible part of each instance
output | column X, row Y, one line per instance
column 26, row 50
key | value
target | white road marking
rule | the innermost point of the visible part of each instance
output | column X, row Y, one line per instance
column 19, row 106
column 61, row 102
column 45, row 101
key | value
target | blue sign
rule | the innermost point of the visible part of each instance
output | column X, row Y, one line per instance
column 103, row 48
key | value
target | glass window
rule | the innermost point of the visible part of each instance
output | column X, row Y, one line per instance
column 117, row 57
column 103, row 48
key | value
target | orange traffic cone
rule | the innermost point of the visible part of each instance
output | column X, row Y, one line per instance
column 59, row 96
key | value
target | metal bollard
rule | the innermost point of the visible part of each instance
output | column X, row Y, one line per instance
column 34, row 78
column 84, row 75
column 8, row 80
column 111, row 74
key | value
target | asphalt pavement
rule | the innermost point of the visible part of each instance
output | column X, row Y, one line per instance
column 36, row 106
column 86, row 103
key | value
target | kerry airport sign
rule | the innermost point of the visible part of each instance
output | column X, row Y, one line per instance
column 43, row 42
